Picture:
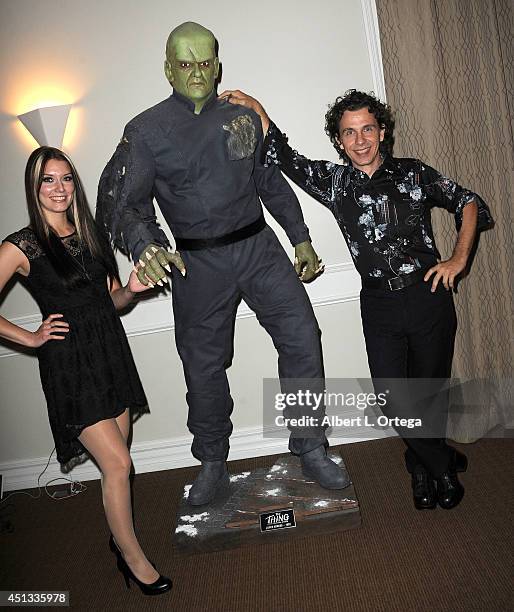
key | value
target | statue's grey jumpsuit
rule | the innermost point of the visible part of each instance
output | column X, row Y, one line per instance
column 205, row 173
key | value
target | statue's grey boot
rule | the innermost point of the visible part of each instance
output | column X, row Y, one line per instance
column 212, row 476
column 317, row 466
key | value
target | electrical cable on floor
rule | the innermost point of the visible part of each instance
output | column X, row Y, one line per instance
column 76, row 486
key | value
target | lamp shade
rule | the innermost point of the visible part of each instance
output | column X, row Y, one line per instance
column 47, row 125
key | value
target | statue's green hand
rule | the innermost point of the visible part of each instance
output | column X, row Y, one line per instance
column 306, row 262
column 153, row 263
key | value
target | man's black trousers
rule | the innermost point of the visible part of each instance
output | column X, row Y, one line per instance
column 410, row 333
column 205, row 303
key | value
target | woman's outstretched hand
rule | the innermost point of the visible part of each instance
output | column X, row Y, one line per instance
column 134, row 285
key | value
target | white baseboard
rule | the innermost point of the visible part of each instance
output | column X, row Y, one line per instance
column 151, row 456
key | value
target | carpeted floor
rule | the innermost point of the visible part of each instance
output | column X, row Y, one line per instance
column 399, row 560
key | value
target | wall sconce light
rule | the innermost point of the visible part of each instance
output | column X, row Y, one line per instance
column 47, row 125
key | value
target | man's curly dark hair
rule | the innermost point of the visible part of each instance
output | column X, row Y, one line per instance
column 355, row 100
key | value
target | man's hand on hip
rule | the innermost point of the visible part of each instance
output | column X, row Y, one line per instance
column 153, row 263
column 445, row 271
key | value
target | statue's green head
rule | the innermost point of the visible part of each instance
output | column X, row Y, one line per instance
column 191, row 64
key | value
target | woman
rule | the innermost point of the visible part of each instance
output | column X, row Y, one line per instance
column 87, row 371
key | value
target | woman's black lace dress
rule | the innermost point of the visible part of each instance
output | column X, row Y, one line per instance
column 90, row 376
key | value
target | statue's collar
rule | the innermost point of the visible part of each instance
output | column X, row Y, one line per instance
column 181, row 99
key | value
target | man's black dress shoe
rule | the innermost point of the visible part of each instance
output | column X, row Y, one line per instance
column 423, row 489
column 449, row 490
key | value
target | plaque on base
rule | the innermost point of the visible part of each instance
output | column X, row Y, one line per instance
column 264, row 506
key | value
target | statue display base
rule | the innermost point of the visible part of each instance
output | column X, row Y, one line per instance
column 256, row 509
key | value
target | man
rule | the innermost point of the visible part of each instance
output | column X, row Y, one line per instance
column 382, row 205
column 199, row 158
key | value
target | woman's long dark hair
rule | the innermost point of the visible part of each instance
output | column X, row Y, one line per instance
column 78, row 214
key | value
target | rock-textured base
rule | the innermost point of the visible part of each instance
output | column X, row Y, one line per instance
column 233, row 518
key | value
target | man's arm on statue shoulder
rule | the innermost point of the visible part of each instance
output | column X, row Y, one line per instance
column 319, row 178
column 471, row 215
column 125, row 208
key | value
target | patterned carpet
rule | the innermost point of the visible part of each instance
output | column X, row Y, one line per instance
column 399, row 560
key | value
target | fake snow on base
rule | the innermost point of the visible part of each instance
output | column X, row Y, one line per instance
column 322, row 503
column 194, row 518
column 273, row 491
column 189, row 530
column 186, row 491
column 241, row 476
column 274, row 469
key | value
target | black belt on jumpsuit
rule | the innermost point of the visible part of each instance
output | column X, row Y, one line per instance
column 197, row 244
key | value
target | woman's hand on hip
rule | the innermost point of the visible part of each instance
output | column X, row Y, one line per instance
column 51, row 328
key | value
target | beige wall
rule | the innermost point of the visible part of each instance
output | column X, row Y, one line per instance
column 106, row 58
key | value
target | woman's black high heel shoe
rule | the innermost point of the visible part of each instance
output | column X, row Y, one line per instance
column 161, row 585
